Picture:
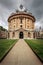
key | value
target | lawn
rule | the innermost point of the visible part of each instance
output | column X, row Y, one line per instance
column 5, row 46
column 37, row 47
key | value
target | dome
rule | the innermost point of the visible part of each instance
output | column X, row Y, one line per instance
column 21, row 12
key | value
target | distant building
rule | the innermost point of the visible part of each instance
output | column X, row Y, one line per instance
column 21, row 24
column 39, row 34
column 3, row 33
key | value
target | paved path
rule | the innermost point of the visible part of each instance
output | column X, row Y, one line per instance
column 21, row 54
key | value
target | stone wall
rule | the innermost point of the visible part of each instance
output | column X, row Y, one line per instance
column 16, row 23
column 3, row 34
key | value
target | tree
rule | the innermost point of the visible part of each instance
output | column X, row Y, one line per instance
column 3, row 29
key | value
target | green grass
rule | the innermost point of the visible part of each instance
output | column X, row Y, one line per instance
column 37, row 46
column 5, row 46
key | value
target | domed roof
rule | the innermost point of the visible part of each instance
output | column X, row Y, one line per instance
column 22, row 12
column 21, row 8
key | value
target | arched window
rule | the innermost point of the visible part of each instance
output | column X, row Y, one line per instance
column 28, row 20
column 21, row 21
column 14, row 26
column 14, row 20
column 21, row 26
column 13, row 34
column 27, row 27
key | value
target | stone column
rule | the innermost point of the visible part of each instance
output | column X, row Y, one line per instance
column 11, row 34
column 17, row 23
column 25, row 22
column 31, row 34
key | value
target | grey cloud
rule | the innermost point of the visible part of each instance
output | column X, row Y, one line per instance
column 37, row 3
column 10, row 4
column 34, row 6
column 37, row 7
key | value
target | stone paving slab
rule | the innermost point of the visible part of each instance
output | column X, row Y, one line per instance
column 21, row 54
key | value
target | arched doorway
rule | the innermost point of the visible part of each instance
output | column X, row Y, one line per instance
column 21, row 35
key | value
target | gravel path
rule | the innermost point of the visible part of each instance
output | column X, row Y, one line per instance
column 21, row 54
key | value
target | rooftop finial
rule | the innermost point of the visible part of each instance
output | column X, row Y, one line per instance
column 21, row 6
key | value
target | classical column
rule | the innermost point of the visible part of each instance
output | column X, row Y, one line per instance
column 31, row 34
column 25, row 22
column 16, row 23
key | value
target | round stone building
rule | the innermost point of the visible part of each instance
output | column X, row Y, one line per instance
column 21, row 24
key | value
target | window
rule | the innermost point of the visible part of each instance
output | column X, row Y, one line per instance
column 13, row 34
column 28, row 20
column 32, row 27
column 28, row 34
column 14, row 26
column 14, row 21
column 10, row 26
column 28, row 27
column 21, row 26
column 21, row 21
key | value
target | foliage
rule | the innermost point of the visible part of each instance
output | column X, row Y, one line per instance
column 3, row 29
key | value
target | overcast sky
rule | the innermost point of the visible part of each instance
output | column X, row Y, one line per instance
column 9, row 6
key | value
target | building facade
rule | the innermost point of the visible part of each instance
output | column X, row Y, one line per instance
column 3, row 34
column 21, row 25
